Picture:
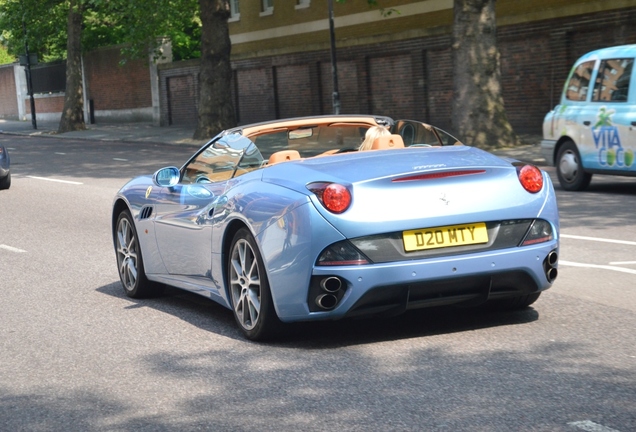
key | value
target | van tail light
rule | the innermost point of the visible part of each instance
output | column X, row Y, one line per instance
column 530, row 178
column 334, row 197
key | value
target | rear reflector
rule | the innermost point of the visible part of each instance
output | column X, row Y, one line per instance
column 341, row 253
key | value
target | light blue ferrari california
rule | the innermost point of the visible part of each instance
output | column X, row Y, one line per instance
column 291, row 220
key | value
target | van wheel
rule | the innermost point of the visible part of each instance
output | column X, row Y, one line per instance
column 570, row 171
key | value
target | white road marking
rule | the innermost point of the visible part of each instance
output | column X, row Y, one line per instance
column 590, row 426
column 59, row 153
column 622, row 262
column 625, row 242
column 597, row 266
column 11, row 249
column 55, row 180
column 120, row 159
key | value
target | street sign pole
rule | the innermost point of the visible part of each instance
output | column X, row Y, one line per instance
column 28, row 77
column 334, row 66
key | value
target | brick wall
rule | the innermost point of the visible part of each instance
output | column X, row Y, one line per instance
column 113, row 86
column 45, row 104
column 294, row 91
column 256, row 94
column 402, row 79
column 413, row 78
column 350, row 86
column 178, row 91
column 8, row 101
column 181, row 92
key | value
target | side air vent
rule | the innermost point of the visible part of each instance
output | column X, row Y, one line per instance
column 145, row 212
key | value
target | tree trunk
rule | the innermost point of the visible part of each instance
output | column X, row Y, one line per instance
column 73, row 112
column 478, row 113
column 215, row 109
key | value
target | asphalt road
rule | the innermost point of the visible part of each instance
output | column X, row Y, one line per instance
column 77, row 355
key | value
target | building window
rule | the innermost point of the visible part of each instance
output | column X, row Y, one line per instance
column 302, row 4
column 267, row 7
column 234, row 11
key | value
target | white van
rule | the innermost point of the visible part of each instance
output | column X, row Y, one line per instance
column 593, row 129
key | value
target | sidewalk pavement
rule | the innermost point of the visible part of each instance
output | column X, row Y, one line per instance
column 124, row 132
column 529, row 151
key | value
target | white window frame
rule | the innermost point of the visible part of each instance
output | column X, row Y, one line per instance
column 234, row 11
column 302, row 4
column 267, row 7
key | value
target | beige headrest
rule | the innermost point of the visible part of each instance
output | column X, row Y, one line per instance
column 283, row 156
column 388, row 142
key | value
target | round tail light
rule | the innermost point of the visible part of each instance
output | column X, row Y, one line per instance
column 335, row 197
column 531, row 178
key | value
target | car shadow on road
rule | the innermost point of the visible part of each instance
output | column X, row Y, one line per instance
column 412, row 324
column 212, row 317
column 192, row 308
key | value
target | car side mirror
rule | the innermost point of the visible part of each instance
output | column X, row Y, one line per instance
column 167, row 177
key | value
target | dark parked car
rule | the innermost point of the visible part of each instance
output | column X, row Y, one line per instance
column 5, row 174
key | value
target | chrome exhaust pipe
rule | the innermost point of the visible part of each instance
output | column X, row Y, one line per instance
column 326, row 301
column 331, row 284
column 549, row 266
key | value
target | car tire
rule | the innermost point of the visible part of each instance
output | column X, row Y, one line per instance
column 249, row 290
column 5, row 183
column 130, row 263
column 569, row 169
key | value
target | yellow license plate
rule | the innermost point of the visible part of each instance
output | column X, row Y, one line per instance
column 439, row 237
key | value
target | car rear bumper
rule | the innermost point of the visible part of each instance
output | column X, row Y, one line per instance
column 395, row 287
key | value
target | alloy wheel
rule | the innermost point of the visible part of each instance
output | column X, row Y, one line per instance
column 245, row 284
column 127, row 254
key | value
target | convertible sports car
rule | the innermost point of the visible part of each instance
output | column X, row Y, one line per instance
column 5, row 172
column 288, row 221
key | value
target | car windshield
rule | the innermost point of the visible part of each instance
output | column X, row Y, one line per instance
column 312, row 141
column 223, row 159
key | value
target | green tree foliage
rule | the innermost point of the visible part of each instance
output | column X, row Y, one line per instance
column 41, row 23
column 136, row 23
column 141, row 23
column 5, row 57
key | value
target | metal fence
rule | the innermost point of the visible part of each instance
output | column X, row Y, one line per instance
column 49, row 77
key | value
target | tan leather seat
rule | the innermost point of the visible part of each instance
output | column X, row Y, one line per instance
column 283, row 156
column 388, row 142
